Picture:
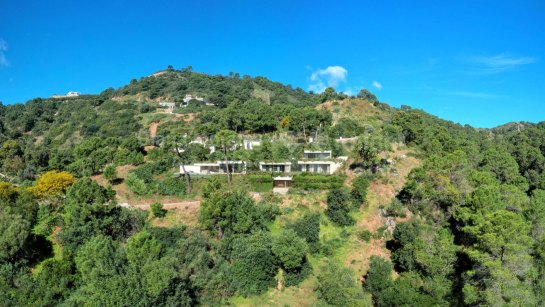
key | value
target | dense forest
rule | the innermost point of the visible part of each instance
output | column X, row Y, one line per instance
column 465, row 227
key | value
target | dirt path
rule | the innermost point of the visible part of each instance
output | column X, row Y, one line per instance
column 153, row 129
column 380, row 193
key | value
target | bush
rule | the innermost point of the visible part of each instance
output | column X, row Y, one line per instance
column 136, row 184
column 268, row 211
column 308, row 227
column 365, row 235
column 260, row 182
column 396, row 208
column 157, row 210
column 290, row 249
column 308, row 181
column 379, row 234
column 110, row 173
column 337, row 286
column 171, row 186
column 295, row 277
column 146, row 108
column 330, row 246
column 253, row 263
column 359, row 189
column 158, row 154
column 338, row 210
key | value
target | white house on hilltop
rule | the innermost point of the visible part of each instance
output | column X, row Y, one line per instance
column 188, row 98
column 249, row 144
column 73, row 94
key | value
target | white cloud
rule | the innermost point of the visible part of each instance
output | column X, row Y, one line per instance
column 3, row 49
column 377, row 85
column 349, row 92
column 499, row 63
column 323, row 78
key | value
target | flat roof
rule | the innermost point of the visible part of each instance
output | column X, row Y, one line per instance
column 274, row 163
column 215, row 163
column 283, row 178
column 315, row 162
column 317, row 151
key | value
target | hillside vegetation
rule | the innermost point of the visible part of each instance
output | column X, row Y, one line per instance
column 94, row 210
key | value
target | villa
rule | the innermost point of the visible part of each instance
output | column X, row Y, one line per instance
column 317, row 154
column 188, row 98
column 320, row 167
column 219, row 167
column 249, row 144
column 275, row 167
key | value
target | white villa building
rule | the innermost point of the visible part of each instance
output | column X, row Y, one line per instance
column 167, row 104
column 275, row 167
column 188, row 98
column 235, row 167
column 320, row 167
column 72, row 94
column 249, row 144
column 317, row 154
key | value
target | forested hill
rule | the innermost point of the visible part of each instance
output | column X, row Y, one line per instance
column 420, row 212
column 173, row 85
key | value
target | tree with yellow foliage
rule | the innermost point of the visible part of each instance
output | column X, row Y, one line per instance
column 52, row 183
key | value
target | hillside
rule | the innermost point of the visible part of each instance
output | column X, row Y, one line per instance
column 379, row 205
column 173, row 85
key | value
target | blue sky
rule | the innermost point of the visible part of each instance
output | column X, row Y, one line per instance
column 474, row 62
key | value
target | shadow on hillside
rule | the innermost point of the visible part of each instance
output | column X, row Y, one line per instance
column 117, row 181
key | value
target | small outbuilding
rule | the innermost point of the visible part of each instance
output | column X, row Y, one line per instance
column 282, row 181
column 282, row 184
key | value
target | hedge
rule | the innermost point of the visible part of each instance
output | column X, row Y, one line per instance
column 308, row 181
column 260, row 182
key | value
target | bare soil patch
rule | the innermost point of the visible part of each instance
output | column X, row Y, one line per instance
column 153, row 129
column 380, row 193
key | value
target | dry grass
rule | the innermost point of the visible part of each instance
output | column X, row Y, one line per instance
column 184, row 214
column 125, row 195
column 380, row 193
column 352, row 108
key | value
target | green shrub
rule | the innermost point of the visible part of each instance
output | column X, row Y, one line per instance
column 308, row 181
column 158, row 154
column 365, row 235
column 380, row 233
column 157, row 210
column 396, row 208
column 171, row 186
column 260, row 182
column 336, row 286
column 331, row 246
column 338, row 209
column 136, row 184
column 307, row 227
column 359, row 189
column 295, row 277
